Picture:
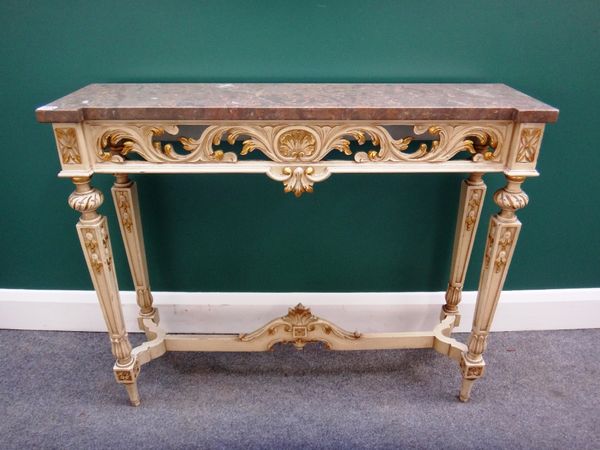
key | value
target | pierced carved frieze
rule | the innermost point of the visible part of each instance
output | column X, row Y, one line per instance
column 68, row 147
column 299, row 143
column 298, row 327
column 451, row 140
column 529, row 144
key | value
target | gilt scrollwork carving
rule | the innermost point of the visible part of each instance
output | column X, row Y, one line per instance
column 298, row 327
column 301, row 143
column 116, row 143
column 482, row 142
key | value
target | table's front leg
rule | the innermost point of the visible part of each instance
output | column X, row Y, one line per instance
column 472, row 194
column 95, row 243
column 124, row 192
column 501, row 240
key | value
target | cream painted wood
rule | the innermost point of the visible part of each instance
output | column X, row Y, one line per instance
column 92, row 230
column 282, row 331
column 502, row 237
column 297, row 153
column 472, row 194
column 125, row 198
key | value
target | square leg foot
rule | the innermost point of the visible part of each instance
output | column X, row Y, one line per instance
column 127, row 376
column 471, row 371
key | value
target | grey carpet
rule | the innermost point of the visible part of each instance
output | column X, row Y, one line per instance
column 541, row 390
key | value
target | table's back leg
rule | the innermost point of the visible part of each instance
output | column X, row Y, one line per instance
column 92, row 229
column 502, row 237
column 472, row 194
column 124, row 192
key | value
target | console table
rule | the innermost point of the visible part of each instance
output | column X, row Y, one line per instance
column 299, row 135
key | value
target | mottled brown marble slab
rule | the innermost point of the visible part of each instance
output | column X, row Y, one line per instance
column 281, row 101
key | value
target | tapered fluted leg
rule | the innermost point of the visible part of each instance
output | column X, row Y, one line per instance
column 95, row 243
column 124, row 192
column 502, row 237
column 472, row 194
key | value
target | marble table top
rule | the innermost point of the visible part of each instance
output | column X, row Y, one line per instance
column 284, row 101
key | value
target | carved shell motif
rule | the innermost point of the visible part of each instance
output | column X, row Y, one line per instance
column 297, row 144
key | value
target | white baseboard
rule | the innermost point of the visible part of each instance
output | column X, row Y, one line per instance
column 186, row 312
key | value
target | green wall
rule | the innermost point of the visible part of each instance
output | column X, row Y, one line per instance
column 356, row 232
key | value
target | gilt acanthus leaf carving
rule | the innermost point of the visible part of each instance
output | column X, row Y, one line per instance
column 66, row 139
column 298, row 179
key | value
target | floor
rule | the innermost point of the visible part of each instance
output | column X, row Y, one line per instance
column 541, row 390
